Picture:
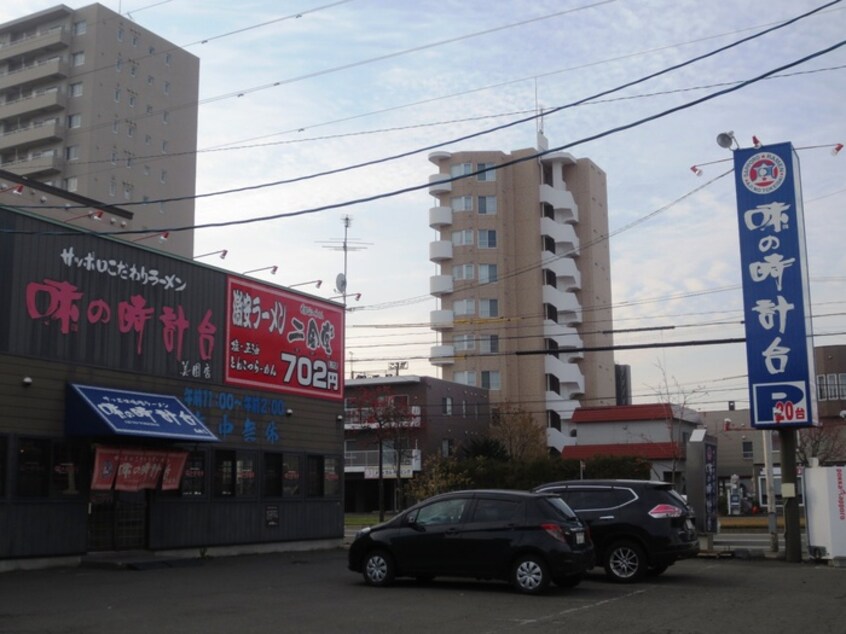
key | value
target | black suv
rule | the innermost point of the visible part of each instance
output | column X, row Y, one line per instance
column 529, row 539
column 637, row 526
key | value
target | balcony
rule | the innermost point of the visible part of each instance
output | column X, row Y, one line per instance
column 568, row 374
column 440, row 250
column 442, row 319
column 564, row 235
column 47, row 132
column 439, row 184
column 37, row 166
column 30, row 106
column 439, row 155
column 562, row 203
column 53, row 40
column 440, row 285
column 567, row 274
column 442, row 355
column 44, row 71
column 440, row 217
column 358, row 418
column 368, row 463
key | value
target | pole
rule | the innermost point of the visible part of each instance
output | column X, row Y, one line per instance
column 772, row 521
column 792, row 535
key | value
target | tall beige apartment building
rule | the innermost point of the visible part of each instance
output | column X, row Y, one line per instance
column 94, row 104
column 523, row 281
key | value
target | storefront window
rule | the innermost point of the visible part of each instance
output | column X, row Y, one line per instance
column 194, row 476
column 234, row 474
column 331, row 477
column 272, row 475
column 292, row 468
column 67, row 462
column 314, row 477
column 33, row 468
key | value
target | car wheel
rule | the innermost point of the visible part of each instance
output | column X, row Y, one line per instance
column 378, row 568
column 570, row 581
column 625, row 562
column 657, row 570
column 530, row 575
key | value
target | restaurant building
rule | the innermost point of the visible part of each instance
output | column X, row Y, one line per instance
column 153, row 403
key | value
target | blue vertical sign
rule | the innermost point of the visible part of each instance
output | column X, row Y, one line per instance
column 777, row 308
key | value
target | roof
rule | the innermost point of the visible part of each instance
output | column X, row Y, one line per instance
column 627, row 413
column 647, row 450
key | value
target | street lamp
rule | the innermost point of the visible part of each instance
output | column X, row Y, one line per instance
column 162, row 236
column 272, row 270
column 316, row 283
column 221, row 253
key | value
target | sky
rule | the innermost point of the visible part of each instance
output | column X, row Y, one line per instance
column 290, row 89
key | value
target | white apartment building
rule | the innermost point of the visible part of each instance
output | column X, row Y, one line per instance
column 523, row 281
column 92, row 103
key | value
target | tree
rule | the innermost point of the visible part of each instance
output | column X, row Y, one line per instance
column 389, row 419
column 827, row 442
column 516, row 430
column 676, row 400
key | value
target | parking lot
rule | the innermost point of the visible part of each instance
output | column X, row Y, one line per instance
column 314, row 592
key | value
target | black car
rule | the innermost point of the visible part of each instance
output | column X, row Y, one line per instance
column 529, row 539
column 637, row 526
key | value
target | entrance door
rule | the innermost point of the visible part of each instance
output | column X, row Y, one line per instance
column 117, row 520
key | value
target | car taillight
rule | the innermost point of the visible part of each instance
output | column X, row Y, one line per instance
column 556, row 531
column 663, row 511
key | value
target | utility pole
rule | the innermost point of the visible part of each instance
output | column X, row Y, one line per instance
column 792, row 534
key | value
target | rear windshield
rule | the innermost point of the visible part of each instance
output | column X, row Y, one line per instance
column 561, row 506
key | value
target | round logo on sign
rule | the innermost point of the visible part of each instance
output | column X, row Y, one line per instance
column 764, row 173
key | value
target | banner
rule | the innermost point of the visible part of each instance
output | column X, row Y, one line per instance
column 139, row 469
column 174, row 467
column 105, row 468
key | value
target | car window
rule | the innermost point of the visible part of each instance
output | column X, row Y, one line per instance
column 594, row 499
column 441, row 512
column 561, row 506
column 488, row 510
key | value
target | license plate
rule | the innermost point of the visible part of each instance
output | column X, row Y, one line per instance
column 580, row 538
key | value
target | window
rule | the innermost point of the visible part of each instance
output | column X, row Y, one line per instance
column 78, row 58
column 486, row 176
column 234, row 474
column 548, row 244
column 463, row 272
column 112, row 187
column 489, row 344
column 447, row 447
column 487, row 273
column 465, row 378
column 67, row 465
column 75, row 89
column 461, row 169
column 117, row 94
column 292, row 468
column 462, row 238
column 464, row 307
column 496, row 510
column 314, row 476
column 134, row 38
column 75, row 121
column 130, row 129
column 164, row 147
column 487, row 205
column 72, row 152
column 490, row 379
column 842, row 386
column 746, row 449
column 163, row 176
column 128, row 158
column 461, row 203
column 331, row 476
column 147, row 139
column 131, row 99
column 33, row 468
column 150, row 80
column 488, row 308
column 71, row 183
column 167, row 88
column 165, row 116
column 272, row 475
column 441, row 513
column 118, row 63
column 167, row 59
column 194, row 477
column 446, row 406
column 464, row 342
column 80, row 27
column 487, row 239
column 3, row 454
column 133, row 69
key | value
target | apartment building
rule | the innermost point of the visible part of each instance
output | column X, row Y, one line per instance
column 523, row 281
column 93, row 103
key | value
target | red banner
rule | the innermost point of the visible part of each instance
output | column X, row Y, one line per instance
column 139, row 469
column 279, row 340
column 174, row 466
column 105, row 468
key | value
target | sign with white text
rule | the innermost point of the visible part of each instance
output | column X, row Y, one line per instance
column 777, row 309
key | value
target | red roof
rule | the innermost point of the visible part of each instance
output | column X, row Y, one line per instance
column 648, row 450
column 618, row 413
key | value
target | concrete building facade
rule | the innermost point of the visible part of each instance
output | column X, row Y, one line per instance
column 523, row 281
column 93, row 103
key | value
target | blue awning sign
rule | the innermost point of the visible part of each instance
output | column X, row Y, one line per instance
column 97, row 411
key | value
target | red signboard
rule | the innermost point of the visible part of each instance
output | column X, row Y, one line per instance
column 105, row 467
column 139, row 469
column 283, row 341
column 174, row 466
